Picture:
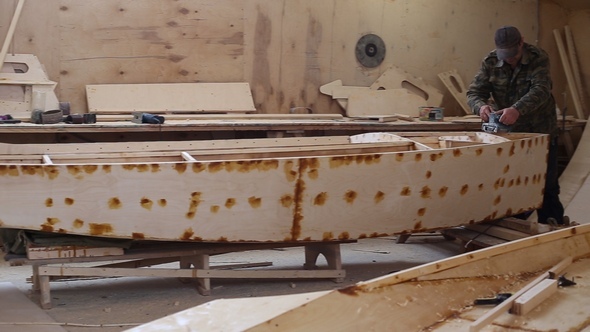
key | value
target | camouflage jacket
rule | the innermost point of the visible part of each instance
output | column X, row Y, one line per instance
column 526, row 88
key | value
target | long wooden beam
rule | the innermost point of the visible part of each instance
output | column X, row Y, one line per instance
column 11, row 29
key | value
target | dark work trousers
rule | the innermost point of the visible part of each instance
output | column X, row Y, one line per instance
column 552, row 207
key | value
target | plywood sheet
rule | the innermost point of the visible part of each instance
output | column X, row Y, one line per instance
column 16, row 307
column 397, row 78
column 383, row 102
column 452, row 80
column 172, row 97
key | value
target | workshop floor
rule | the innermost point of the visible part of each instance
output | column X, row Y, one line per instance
column 133, row 301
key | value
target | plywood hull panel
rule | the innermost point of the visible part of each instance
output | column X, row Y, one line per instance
column 379, row 186
column 438, row 296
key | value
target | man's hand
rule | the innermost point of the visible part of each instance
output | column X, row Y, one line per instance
column 484, row 112
column 509, row 115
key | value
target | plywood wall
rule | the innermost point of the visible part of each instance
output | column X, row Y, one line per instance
column 286, row 49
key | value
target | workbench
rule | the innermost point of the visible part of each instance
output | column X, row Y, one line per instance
column 117, row 131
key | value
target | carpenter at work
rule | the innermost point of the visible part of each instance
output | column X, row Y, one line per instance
column 514, row 83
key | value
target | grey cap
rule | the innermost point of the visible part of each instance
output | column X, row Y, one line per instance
column 507, row 39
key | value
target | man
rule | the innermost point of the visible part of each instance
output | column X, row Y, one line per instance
column 515, row 76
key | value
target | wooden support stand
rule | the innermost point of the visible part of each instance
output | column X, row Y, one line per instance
column 193, row 260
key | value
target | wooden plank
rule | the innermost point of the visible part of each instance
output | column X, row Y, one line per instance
column 452, row 80
column 11, row 29
column 34, row 252
column 18, row 308
column 568, row 74
column 228, row 117
column 532, row 298
column 397, row 78
column 383, row 102
column 504, row 306
column 187, row 273
column 573, row 58
column 170, row 97
column 499, row 232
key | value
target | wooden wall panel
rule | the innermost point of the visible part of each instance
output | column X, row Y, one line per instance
column 285, row 49
column 262, row 45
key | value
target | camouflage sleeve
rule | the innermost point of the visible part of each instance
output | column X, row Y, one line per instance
column 539, row 83
column 480, row 89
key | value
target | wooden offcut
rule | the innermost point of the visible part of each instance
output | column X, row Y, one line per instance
column 569, row 74
column 170, row 98
column 452, row 80
column 532, row 298
column 397, row 78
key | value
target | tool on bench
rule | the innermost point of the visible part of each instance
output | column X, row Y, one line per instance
column 139, row 117
column 501, row 297
column 494, row 125
column 8, row 119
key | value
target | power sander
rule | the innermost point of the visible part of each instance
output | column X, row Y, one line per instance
column 494, row 125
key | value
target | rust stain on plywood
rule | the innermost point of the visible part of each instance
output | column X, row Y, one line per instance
column 180, row 168
column 313, row 174
column 428, row 174
column 10, row 170
column 255, row 202
column 497, row 200
column 68, row 201
column 298, row 200
column 328, row 236
column 188, row 233
column 198, row 167
column 499, row 151
column 418, row 157
column 146, row 203
column 214, row 208
column 100, row 229
column 350, row 196
column 230, row 202
column 464, row 189
column 436, row 156
column 506, row 169
column 162, row 202
column 421, row 212
column 425, row 192
column 78, row 223
column 106, row 168
column 52, row 172
column 90, row 169
column 457, row 152
column 442, row 192
column 31, row 170
column 320, row 199
column 289, row 172
column 511, row 152
column 137, row 236
column 343, row 236
column 115, row 203
column 49, row 202
column 478, row 151
column 399, row 157
column 379, row 196
column 286, row 201
column 406, row 191
column 74, row 169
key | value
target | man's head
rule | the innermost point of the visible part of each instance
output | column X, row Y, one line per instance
column 508, row 43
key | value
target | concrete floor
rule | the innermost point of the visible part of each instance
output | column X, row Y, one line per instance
column 131, row 301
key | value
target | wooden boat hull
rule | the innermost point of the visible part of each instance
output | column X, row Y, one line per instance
column 438, row 296
column 333, row 189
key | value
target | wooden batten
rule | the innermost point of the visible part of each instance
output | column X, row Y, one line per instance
column 170, row 98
